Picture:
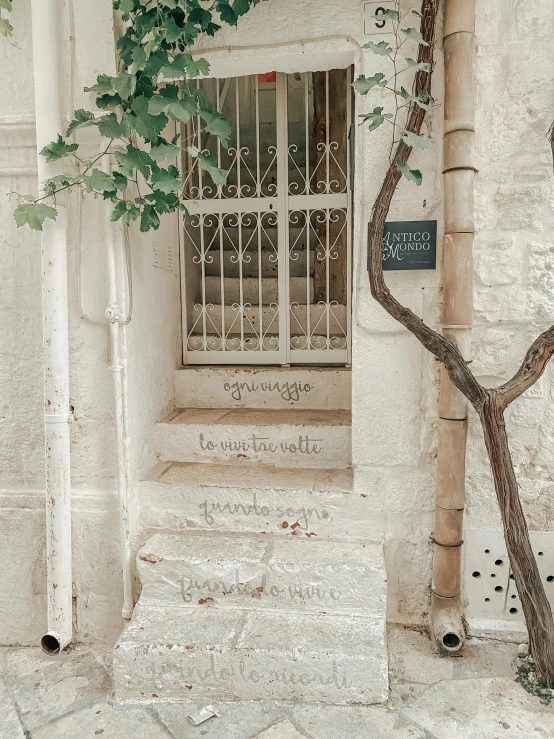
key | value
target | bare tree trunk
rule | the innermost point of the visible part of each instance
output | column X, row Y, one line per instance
column 490, row 404
column 538, row 614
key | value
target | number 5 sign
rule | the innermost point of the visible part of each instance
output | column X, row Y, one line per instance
column 373, row 24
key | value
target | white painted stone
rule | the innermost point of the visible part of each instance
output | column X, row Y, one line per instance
column 482, row 708
column 491, row 592
column 105, row 721
column 375, row 318
column 260, row 573
column 46, row 687
column 10, row 726
column 282, row 730
column 269, row 387
column 278, row 438
column 218, row 654
column 260, row 500
column 238, row 719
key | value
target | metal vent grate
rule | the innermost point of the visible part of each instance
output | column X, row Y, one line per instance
column 489, row 588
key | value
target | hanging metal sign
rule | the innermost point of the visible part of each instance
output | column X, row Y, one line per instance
column 373, row 23
column 410, row 245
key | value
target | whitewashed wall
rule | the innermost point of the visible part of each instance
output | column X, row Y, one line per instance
column 514, row 253
column 394, row 382
column 153, row 341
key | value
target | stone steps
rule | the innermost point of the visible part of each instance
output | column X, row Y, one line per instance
column 267, row 258
column 301, row 290
column 318, row 315
column 262, row 573
column 281, row 438
column 259, row 499
column 259, row 387
column 222, row 654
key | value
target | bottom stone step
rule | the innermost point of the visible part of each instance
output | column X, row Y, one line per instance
column 211, row 654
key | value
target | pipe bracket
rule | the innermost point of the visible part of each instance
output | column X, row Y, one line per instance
column 112, row 313
column 446, row 546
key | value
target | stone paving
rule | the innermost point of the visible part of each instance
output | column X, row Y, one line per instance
column 432, row 697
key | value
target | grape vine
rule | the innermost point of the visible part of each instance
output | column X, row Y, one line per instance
column 156, row 84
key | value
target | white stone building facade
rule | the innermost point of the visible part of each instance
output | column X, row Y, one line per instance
column 382, row 489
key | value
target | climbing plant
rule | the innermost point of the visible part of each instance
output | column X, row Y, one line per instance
column 155, row 84
column 6, row 28
column 396, row 63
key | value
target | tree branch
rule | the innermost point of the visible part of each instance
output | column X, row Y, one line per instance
column 531, row 369
column 444, row 350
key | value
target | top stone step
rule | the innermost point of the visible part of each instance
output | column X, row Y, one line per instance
column 258, row 387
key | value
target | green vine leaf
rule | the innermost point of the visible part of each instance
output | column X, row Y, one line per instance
column 58, row 149
column 121, row 182
column 177, row 109
column 149, row 219
column 417, row 66
column 166, row 180
column 375, row 119
column 416, row 141
column 173, row 32
column 165, row 152
column 125, row 85
column 7, row 5
column 104, row 83
column 156, row 61
column 217, row 125
column 134, row 159
column 185, row 66
column 127, row 211
column 413, row 175
column 53, row 184
column 383, row 48
column 112, row 128
column 144, row 123
column 82, row 119
column 34, row 215
column 226, row 12
column 99, row 181
column 364, row 84
column 392, row 15
column 208, row 163
column 6, row 28
column 415, row 35
column 420, row 100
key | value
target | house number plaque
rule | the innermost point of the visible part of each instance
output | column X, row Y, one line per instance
column 409, row 245
column 373, row 24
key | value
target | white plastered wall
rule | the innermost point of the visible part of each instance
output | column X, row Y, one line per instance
column 153, row 339
column 514, row 262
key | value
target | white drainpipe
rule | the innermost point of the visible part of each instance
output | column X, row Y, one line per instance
column 118, row 368
column 48, row 113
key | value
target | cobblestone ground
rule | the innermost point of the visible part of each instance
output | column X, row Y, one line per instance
column 474, row 697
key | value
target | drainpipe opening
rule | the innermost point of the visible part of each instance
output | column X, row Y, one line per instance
column 50, row 644
column 451, row 642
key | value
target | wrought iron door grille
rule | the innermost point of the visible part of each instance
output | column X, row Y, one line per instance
column 266, row 257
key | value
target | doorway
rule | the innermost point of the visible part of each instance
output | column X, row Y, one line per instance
column 266, row 257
